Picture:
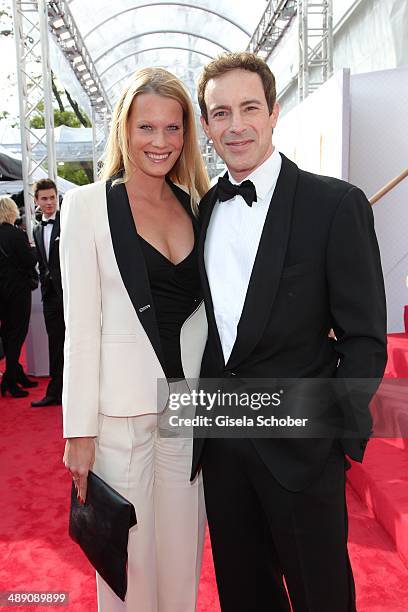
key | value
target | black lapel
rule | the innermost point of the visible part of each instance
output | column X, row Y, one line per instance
column 131, row 263
column 55, row 232
column 38, row 234
column 206, row 207
column 266, row 273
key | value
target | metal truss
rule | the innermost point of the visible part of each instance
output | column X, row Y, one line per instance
column 315, row 19
column 100, row 131
column 276, row 19
column 70, row 41
column 315, row 45
column 213, row 162
column 35, row 96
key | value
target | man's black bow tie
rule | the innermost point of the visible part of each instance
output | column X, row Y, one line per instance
column 49, row 222
column 226, row 190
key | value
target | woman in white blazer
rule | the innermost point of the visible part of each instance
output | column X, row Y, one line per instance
column 133, row 316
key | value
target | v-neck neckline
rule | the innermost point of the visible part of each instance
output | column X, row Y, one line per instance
column 189, row 212
column 171, row 263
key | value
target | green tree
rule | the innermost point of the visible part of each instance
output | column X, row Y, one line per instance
column 6, row 23
column 80, row 173
column 65, row 117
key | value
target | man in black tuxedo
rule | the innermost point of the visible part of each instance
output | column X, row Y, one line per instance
column 46, row 237
column 285, row 256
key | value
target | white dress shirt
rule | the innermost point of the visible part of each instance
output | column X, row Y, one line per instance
column 47, row 231
column 231, row 246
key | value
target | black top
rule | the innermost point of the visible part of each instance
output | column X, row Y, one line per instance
column 175, row 289
column 17, row 262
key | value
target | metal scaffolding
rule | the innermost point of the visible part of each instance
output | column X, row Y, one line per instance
column 100, row 130
column 315, row 45
column 35, row 95
column 70, row 41
column 275, row 21
column 315, row 21
column 213, row 162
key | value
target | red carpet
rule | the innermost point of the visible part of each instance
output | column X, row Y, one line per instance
column 37, row 555
column 382, row 482
column 397, row 347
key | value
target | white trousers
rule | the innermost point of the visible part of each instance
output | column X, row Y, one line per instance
column 165, row 547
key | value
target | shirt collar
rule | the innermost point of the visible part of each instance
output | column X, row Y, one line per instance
column 265, row 176
column 44, row 218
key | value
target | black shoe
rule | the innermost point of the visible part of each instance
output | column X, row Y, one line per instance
column 28, row 384
column 12, row 388
column 47, row 401
column 23, row 380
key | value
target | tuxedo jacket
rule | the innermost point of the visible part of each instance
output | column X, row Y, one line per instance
column 317, row 268
column 50, row 272
column 112, row 356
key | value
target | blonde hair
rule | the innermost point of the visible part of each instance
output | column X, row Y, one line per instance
column 189, row 170
column 8, row 210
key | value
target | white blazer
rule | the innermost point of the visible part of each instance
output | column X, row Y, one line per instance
column 112, row 347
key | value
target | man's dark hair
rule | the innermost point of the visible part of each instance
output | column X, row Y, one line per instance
column 237, row 61
column 45, row 183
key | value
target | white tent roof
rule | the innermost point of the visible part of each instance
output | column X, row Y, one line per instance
column 180, row 35
column 11, row 187
column 72, row 144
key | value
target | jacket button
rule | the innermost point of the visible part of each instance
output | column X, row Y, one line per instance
column 229, row 374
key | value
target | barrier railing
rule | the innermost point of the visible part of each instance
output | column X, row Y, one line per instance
column 395, row 181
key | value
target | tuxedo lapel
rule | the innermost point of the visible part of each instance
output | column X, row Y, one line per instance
column 55, row 232
column 267, row 269
column 207, row 206
column 131, row 263
column 39, row 239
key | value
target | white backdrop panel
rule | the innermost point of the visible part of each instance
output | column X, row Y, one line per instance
column 315, row 134
column 378, row 153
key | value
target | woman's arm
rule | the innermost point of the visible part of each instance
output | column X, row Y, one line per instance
column 82, row 313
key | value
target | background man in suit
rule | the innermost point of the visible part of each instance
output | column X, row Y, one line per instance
column 46, row 237
column 285, row 256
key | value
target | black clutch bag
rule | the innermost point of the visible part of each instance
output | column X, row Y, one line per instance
column 101, row 528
